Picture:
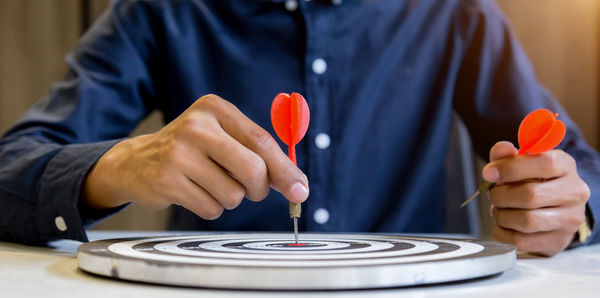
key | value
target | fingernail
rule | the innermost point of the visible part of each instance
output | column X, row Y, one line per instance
column 299, row 192
column 490, row 173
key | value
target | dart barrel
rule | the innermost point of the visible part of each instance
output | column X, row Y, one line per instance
column 295, row 210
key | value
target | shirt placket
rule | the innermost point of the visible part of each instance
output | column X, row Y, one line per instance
column 319, row 213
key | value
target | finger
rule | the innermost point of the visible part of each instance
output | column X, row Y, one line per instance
column 247, row 167
column 503, row 149
column 544, row 243
column 551, row 164
column 189, row 195
column 500, row 150
column 537, row 194
column 204, row 137
column 284, row 176
column 213, row 178
column 529, row 220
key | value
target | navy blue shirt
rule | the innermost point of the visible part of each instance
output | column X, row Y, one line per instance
column 382, row 79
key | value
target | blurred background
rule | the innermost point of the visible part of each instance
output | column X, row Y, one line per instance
column 560, row 37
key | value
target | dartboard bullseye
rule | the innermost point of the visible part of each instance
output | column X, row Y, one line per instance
column 273, row 261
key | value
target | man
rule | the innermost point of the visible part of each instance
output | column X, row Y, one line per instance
column 382, row 79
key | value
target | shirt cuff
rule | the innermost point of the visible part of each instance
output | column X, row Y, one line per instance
column 59, row 215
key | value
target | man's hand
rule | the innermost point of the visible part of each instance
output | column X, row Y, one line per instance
column 206, row 160
column 538, row 201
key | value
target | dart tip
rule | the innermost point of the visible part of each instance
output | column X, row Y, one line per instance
column 473, row 196
column 296, row 230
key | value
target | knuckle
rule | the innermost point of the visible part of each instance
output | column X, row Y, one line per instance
column 256, row 169
column 208, row 100
column 213, row 102
column 182, row 133
column 212, row 212
column 191, row 123
column 196, row 126
column 502, row 235
column 577, row 218
column 584, row 193
column 258, row 194
column 575, row 222
column 262, row 139
column 519, row 240
column 217, row 141
column 530, row 222
column 531, row 195
column 551, row 161
column 234, row 197
column 569, row 160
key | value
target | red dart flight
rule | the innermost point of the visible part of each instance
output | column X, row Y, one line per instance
column 290, row 117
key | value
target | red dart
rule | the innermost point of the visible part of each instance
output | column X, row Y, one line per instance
column 539, row 132
column 290, row 117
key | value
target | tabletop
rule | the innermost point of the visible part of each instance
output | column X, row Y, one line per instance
column 53, row 272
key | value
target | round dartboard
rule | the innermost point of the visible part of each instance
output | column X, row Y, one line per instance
column 274, row 261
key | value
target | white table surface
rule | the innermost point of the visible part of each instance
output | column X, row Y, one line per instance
column 52, row 272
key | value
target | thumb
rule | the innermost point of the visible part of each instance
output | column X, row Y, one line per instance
column 503, row 149
column 500, row 150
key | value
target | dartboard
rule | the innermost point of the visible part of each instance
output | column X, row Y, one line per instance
column 274, row 261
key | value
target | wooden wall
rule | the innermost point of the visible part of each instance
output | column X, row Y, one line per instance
column 561, row 38
column 34, row 37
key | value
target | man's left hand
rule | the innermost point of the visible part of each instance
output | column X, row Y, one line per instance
column 538, row 201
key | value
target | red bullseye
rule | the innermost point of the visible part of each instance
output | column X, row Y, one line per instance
column 297, row 244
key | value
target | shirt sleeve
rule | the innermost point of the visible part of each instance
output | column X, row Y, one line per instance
column 497, row 87
column 46, row 156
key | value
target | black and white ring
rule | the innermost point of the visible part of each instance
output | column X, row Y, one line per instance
column 322, row 260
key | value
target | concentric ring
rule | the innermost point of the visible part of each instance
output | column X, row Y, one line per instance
column 269, row 261
column 343, row 251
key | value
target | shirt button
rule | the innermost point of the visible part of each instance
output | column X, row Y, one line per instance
column 336, row 2
column 60, row 223
column 291, row 5
column 321, row 216
column 319, row 66
column 322, row 141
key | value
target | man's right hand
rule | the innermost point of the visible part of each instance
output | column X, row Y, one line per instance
column 206, row 160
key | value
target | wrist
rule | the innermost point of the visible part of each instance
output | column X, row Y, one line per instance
column 100, row 188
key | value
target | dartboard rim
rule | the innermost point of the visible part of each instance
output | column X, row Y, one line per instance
column 494, row 258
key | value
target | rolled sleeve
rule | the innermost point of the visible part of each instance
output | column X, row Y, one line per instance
column 56, row 213
column 46, row 155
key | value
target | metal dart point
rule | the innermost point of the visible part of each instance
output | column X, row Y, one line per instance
column 295, row 211
column 296, row 229
column 483, row 187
